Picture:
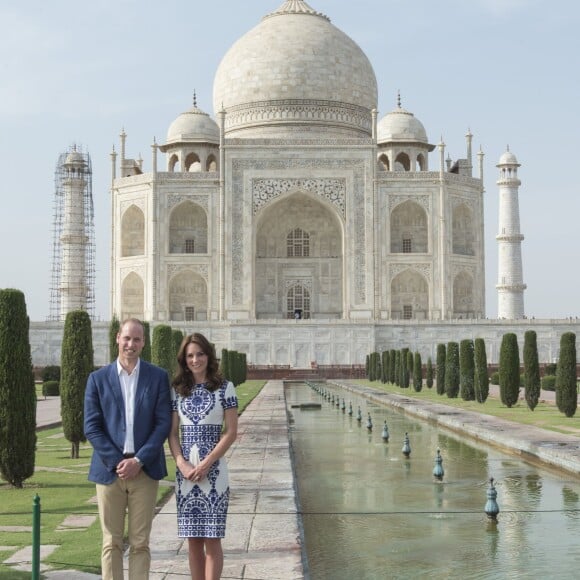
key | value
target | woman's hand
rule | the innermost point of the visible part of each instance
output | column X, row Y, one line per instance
column 201, row 471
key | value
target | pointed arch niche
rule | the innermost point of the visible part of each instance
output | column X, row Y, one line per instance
column 132, row 232
column 132, row 297
column 409, row 229
column 298, row 244
column 187, row 297
column 409, row 296
column 463, row 231
column 188, row 229
column 463, row 303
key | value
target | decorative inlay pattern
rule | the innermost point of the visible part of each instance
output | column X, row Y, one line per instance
column 265, row 190
column 174, row 269
column 423, row 269
column 176, row 199
column 457, row 201
column 127, row 203
column 137, row 269
column 422, row 200
column 306, row 282
column 324, row 112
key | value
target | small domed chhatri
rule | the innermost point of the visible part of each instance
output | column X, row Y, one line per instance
column 295, row 69
column 402, row 126
column 193, row 126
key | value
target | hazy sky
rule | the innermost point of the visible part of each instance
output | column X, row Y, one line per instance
column 79, row 72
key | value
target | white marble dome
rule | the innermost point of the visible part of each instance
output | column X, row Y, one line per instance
column 295, row 68
column 401, row 126
column 193, row 126
column 508, row 158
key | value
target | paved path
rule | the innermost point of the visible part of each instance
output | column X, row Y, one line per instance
column 263, row 538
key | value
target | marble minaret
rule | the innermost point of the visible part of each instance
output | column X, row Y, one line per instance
column 510, row 284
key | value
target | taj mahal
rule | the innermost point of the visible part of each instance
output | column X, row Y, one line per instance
column 299, row 226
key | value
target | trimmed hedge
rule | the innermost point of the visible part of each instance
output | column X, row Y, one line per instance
column 51, row 389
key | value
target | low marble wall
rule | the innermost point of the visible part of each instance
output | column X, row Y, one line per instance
column 303, row 343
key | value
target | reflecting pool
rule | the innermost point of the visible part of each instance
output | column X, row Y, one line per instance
column 370, row 513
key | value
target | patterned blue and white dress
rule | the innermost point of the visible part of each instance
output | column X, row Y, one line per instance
column 202, row 506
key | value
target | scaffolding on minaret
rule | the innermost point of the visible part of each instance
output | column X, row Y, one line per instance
column 73, row 230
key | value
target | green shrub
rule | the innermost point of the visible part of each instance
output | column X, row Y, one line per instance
column 549, row 383
column 162, row 349
column 17, row 391
column 480, row 376
column 531, row 370
column 566, row 391
column 452, row 370
column 509, row 370
column 494, row 379
column 417, row 373
column 550, row 369
column 429, row 376
column 76, row 362
column 51, row 373
column 440, row 375
column 51, row 389
column 466, row 370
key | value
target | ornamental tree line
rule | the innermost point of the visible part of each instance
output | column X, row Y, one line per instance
column 17, row 391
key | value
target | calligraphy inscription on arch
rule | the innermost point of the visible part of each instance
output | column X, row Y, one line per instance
column 265, row 190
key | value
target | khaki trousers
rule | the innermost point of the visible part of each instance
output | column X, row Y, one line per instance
column 136, row 498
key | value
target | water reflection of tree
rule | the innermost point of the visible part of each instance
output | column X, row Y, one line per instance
column 571, row 501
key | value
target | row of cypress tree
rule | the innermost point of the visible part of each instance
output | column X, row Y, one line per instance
column 461, row 370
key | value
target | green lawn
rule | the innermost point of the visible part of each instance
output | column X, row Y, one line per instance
column 545, row 415
column 61, row 483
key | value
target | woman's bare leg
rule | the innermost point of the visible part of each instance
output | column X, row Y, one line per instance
column 197, row 560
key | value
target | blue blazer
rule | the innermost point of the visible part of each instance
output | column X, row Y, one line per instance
column 104, row 422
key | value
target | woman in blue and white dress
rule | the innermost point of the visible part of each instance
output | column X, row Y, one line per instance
column 204, row 425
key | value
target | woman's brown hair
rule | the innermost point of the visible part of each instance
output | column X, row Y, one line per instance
column 183, row 381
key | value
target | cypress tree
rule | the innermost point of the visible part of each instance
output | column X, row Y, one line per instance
column 114, row 328
column 404, row 369
column 224, row 364
column 466, row 370
column 566, row 391
column 417, row 373
column 146, row 352
column 244, row 368
column 509, row 370
column 392, row 366
column 367, row 365
column 531, row 370
column 162, row 348
column 17, row 391
column 429, row 373
column 398, row 368
column 76, row 363
column 410, row 364
column 378, row 367
column 481, row 377
column 452, row 370
column 384, row 366
column 441, row 362
column 177, row 338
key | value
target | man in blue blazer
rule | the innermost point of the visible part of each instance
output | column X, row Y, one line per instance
column 127, row 420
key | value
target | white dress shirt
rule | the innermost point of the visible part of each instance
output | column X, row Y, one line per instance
column 129, row 388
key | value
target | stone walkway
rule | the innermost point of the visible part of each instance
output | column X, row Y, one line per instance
column 263, row 536
column 263, row 539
